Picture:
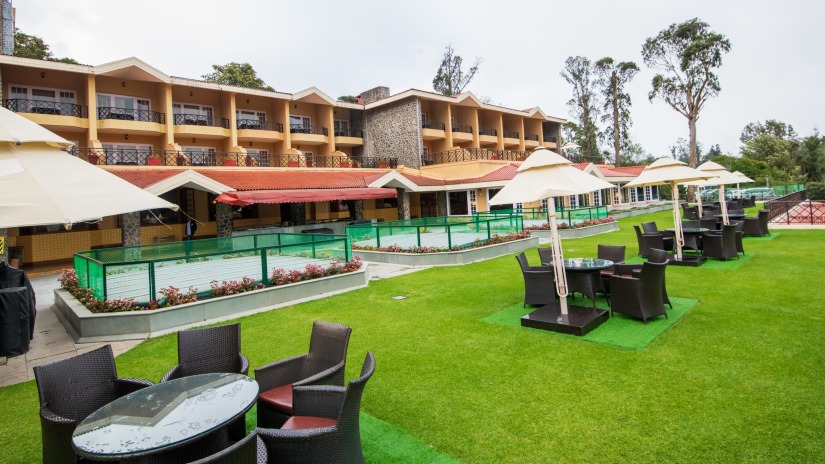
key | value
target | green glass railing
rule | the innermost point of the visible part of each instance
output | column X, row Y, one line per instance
column 541, row 214
column 451, row 232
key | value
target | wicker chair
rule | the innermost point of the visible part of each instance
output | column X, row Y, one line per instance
column 667, row 237
column 325, row 427
column 648, row 241
column 323, row 365
column 639, row 297
column 211, row 350
column 70, row 390
column 722, row 246
column 615, row 253
column 757, row 225
column 539, row 282
column 708, row 223
column 691, row 240
column 250, row 450
column 633, row 270
column 690, row 212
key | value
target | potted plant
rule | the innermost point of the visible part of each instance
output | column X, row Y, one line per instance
column 230, row 162
column 383, row 164
column 344, row 164
column 293, row 163
column 153, row 160
column 93, row 157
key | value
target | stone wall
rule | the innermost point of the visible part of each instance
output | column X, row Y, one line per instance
column 130, row 229
column 357, row 122
column 374, row 94
column 223, row 219
column 441, row 203
column 396, row 129
column 403, row 203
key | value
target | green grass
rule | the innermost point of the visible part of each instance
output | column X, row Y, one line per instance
column 738, row 378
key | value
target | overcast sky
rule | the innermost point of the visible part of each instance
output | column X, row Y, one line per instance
column 774, row 70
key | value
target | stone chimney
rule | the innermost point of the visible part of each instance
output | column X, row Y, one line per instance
column 373, row 95
column 6, row 28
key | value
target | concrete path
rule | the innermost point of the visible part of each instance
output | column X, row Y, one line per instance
column 52, row 343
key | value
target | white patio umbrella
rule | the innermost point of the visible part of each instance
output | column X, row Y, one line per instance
column 721, row 177
column 671, row 172
column 743, row 179
column 545, row 174
column 41, row 184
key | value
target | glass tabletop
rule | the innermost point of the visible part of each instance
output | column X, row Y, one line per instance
column 586, row 264
column 165, row 414
column 691, row 230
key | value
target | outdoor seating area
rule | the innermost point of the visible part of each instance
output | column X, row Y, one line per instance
column 88, row 412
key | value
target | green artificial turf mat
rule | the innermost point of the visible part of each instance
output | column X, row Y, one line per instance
column 711, row 263
column 387, row 444
column 619, row 330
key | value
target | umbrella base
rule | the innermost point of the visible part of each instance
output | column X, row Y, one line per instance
column 579, row 321
column 690, row 260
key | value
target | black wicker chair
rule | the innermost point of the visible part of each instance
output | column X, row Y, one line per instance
column 211, row 350
column 648, row 241
column 539, row 282
column 652, row 228
column 639, row 297
column 615, row 253
column 690, row 212
column 723, row 245
column 708, row 223
column 325, row 427
column 757, row 225
column 633, row 270
column 69, row 391
column 323, row 365
column 250, row 450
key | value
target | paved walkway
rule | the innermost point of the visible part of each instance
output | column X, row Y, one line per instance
column 52, row 343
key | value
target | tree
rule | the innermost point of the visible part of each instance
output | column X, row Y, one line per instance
column 238, row 74
column 681, row 149
column 713, row 152
column 636, row 155
column 32, row 46
column 689, row 53
column 611, row 79
column 348, row 98
column 776, row 152
column 578, row 73
column 451, row 79
column 771, row 127
column 811, row 157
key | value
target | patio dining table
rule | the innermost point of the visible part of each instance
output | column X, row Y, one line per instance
column 163, row 417
column 583, row 275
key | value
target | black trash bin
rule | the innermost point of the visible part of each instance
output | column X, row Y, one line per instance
column 14, row 321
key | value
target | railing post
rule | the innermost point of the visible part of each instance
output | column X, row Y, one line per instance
column 811, row 211
column 418, row 235
column 264, row 267
column 313, row 246
column 152, row 294
column 449, row 236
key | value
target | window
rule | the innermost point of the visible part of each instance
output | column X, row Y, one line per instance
column 257, row 157
column 197, row 115
column 425, row 120
column 386, row 203
column 300, row 124
column 457, row 204
column 124, row 107
column 126, row 153
column 473, row 203
column 490, row 194
column 341, row 128
column 200, row 156
column 43, row 100
column 250, row 119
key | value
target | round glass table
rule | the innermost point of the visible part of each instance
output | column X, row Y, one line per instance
column 583, row 275
column 164, row 416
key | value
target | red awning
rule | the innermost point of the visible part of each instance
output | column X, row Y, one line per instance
column 249, row 197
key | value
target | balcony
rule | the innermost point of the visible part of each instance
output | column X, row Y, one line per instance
column 133, row 121
column 531, row 140
column 348, row 137
column 433, row 130
column 256, row 130
column 201, row 126
column 306, row 134
column 550, row 141
column 487, row 136
column 462, row 133
column 45, row 107
column 511, row 139
column 474, row 154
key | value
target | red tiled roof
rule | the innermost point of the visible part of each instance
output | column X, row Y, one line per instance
column 145, row 177
column 423, row 181
column 622, row 171
column 581, row 166
column 504, row 173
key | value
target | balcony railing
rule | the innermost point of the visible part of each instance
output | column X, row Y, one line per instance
column 45, row 107
column 438, row 125
column 257, row 124
column 463, row 128
column 490, row 132
column 510, row 134
column 533, row 137
column 129, row 114
column 348, row 133
column 550, row 138
column 308, row 129
column 476, row 154
column 149, row 157
column 200, row 120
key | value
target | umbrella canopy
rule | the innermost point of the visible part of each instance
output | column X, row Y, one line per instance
column 43, row 185
column 545, row 174
column 670, row 171
column 721, row 177
column 19, row 130
column 743, row 179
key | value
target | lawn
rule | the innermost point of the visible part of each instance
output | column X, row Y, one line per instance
column 738, row 378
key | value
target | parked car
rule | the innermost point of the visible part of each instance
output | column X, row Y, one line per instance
column 760, row 193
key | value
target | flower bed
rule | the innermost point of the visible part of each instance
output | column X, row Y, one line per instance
column 173, row 296
column 579, row 225
column 495, row 239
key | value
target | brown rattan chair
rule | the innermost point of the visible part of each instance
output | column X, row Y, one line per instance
column 323, row 365
column 639, row 297
column 211, row 350
column 647, row 242
column 325, row 427
column 721, row 246
column 69, row 391
column 615, row 253
column 249, row 450
column 757, row 225
column 667, row 237
column 633, row 270
column 539, row 282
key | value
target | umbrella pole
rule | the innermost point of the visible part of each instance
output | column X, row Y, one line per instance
column 558, row 259
column 723, row 204
column 678, row 237
column 699, row 202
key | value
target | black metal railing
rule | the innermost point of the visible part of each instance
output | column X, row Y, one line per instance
column 308, row 129
column 782, row 205
column 44, row 107
column 491, row 132
column 510, row 134
column 129, row 114
column 550, row 138
column 257, row 124
column 796, row 209
column 533, row 137
column 474, row 154
column 200, row 120
column 348, row 133
column 438, row 125
column 465, row 128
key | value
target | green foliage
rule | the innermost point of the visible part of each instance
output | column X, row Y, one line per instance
column 578, row 72
column 688, row 53
column 451, row 79
column 811, row 157
column 771, row 127
column 816, row 190
column 348, row 98
column 681, row 150
column 32, row 46
column 610, row 82
column 777, row 153
column 237, row 74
